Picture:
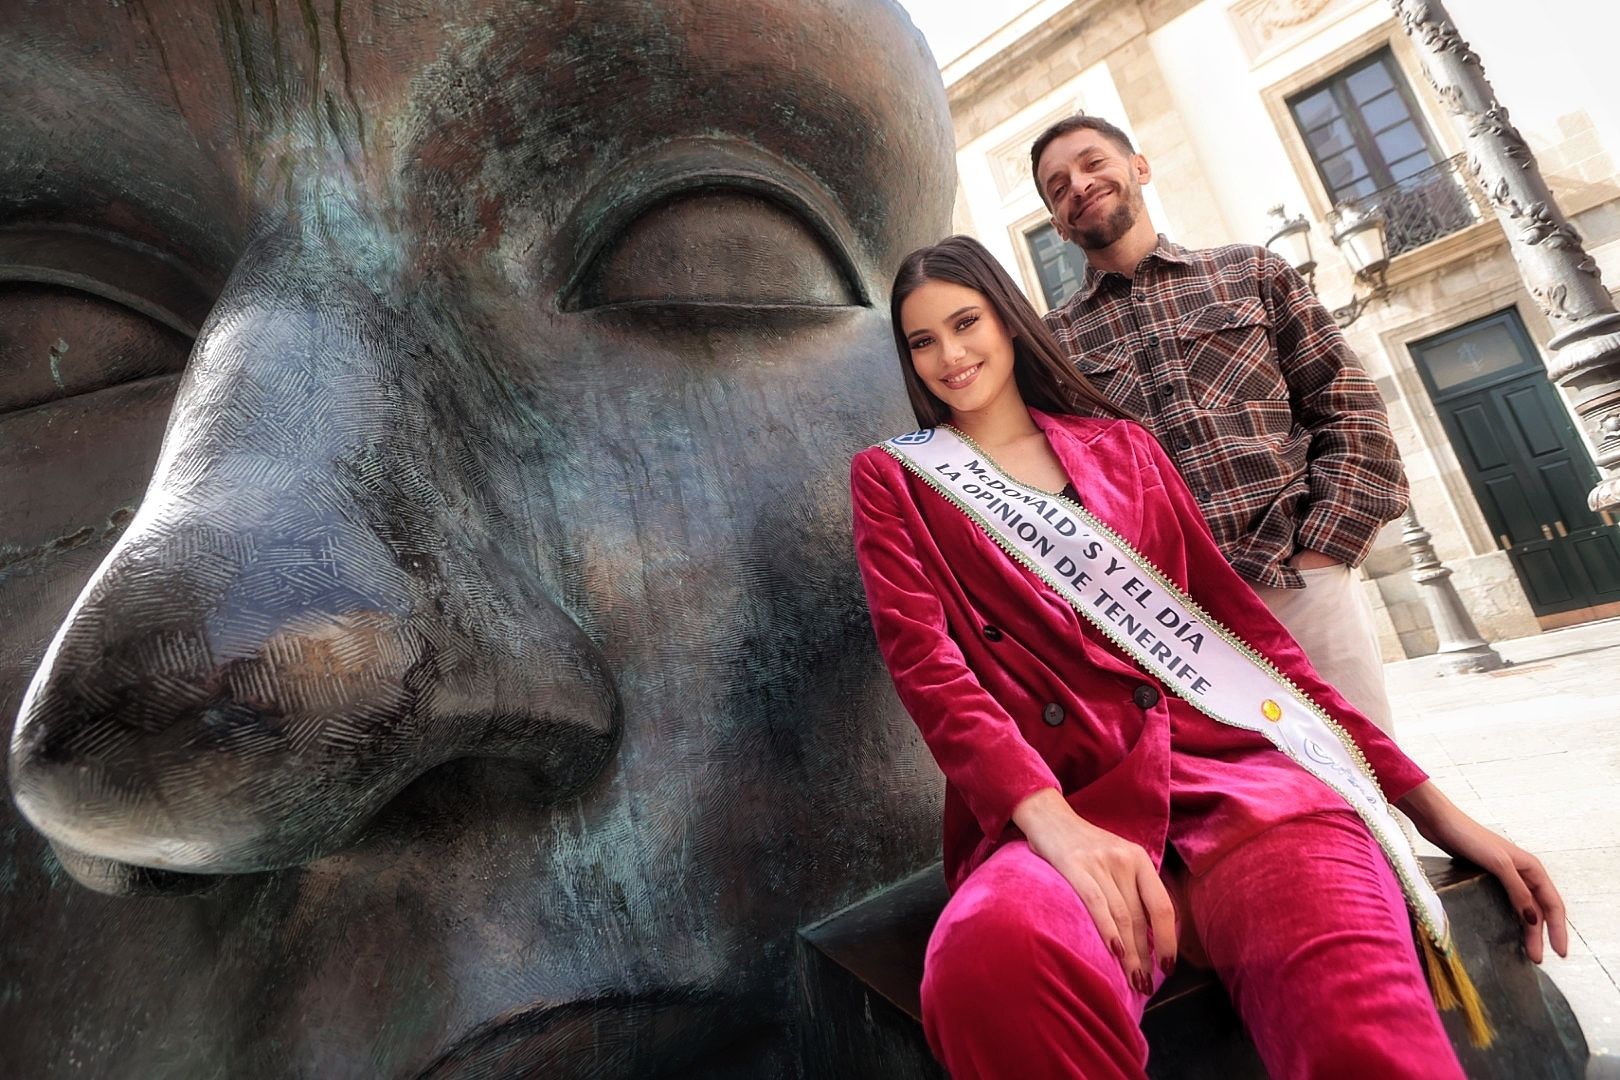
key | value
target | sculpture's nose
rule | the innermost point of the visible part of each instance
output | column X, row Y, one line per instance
column 318, row 600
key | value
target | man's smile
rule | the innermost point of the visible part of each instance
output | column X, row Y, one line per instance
column 1090, row 201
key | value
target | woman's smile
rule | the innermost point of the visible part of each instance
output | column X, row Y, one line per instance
column 959, row 347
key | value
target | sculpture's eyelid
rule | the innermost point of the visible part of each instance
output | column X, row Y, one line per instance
column 141, row 280
column 617, row 219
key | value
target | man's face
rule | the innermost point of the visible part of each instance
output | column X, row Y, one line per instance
column 1093, row 188
column 423, row 437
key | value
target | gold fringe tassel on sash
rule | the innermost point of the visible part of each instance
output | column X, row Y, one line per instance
column 1453, row 989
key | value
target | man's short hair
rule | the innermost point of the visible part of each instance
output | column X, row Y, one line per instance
column 1077, row 122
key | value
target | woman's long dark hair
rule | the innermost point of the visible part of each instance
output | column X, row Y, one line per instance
column 1045, row 377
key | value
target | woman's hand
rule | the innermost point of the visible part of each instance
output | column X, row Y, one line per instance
column 1113, row 877
column 1529, row 889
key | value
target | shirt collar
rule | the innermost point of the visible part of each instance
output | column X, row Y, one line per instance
column 1164, row 251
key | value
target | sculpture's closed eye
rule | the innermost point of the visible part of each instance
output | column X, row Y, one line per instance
column 81, row 312
column 710, row 230
column 717, row 247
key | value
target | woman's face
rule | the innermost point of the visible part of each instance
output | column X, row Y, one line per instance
column 960, row 349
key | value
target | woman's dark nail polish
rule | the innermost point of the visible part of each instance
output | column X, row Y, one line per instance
column 1530, row 916
column 1118, row 948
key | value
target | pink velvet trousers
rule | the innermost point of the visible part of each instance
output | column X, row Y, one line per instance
column 1304, row 924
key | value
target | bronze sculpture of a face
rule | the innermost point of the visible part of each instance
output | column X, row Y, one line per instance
column 425, row 588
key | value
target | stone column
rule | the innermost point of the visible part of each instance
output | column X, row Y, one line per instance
column 1462, row 651
column 1556, row 269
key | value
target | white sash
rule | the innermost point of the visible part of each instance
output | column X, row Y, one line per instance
column 1165, row 631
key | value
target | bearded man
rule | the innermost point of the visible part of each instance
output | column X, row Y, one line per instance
column 1232, row 362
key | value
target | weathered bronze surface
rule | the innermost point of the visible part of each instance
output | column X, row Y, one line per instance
column 423, row 445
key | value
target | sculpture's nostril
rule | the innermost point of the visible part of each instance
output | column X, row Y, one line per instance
column 320, row 599
column 126, row 879
column 273, row 758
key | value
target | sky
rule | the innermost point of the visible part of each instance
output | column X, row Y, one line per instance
column 952, row 27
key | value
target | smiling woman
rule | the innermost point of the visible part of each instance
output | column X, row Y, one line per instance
column 470, row 637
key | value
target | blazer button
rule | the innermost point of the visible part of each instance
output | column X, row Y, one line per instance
column 992, row 633
column 1052, row 714
column 1145, row 696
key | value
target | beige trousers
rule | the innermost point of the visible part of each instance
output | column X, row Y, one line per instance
column 1333, row 622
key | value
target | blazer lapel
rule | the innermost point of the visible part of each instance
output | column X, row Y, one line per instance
column 1111, row 488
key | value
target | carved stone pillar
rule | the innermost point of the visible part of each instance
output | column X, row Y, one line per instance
column 1556, row 269
column 1462, row 651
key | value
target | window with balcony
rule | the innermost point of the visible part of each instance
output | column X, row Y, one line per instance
column 1372, row 151
column 1059, row 264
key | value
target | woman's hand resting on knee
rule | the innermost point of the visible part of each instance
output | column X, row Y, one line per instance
column 1529, row 888
column 1115, row 879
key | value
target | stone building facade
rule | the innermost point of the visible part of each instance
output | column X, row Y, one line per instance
column 1241, row 105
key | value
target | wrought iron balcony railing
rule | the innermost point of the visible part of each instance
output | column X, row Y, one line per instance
column 1424, row 207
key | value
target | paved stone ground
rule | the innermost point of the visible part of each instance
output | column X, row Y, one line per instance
column 1533, row 751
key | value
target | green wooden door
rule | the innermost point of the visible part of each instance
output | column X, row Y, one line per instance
column 1524, row 460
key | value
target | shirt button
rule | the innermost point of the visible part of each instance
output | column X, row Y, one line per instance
column 1153, row 341
column 1145, row 696
column 1140, row 298
column 1167, row 390
column 1231, row 316
column 1183, row 443
column 992, row 633
column 1052, row 714
column 1203, row 495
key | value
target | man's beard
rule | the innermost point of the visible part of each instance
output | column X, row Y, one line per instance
column 1110, row 228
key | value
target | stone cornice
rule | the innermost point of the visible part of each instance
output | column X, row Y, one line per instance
column 1066, row 27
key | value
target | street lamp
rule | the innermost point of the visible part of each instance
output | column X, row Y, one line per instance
column 1292, row 241
column 1360, row 236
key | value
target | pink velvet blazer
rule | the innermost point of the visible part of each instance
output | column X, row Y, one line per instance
column 1013, row 692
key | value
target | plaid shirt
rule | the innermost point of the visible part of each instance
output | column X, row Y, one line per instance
column 1227, row 357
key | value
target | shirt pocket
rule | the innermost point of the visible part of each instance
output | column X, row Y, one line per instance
column 1230, row 354
column 1113, row 371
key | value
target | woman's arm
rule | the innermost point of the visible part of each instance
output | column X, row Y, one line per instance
column 1530, row 890
column 978, row 745
column 975, row 742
